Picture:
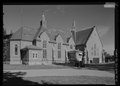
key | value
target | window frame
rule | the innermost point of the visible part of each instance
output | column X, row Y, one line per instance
column 44, row 44
column 16, row 49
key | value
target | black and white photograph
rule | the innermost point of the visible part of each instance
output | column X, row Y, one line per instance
column 59, row 44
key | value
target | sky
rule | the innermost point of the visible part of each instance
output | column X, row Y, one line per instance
column 62, row 16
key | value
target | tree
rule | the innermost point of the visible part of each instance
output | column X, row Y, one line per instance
column 108, row 57
column 6, row 45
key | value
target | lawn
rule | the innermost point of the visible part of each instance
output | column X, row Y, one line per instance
column 15, row 79
column 11, row 78
column 109, row 67
column 72, row 80
column 26, row 67
column 103, row 67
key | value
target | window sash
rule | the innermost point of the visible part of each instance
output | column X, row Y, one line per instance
column 59, row 45
column 44, row 44
column 44, row 53
column 59, row 54
column 16, row 49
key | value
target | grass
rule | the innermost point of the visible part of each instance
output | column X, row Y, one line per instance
column 15, row 79
column 12, row 78
column 109, row 67
column 72, row 80
column 103, row 67
column 26, row 67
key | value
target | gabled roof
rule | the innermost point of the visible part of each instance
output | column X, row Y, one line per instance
column 24, row 33
column 83, row 36
column 29, row 34
column 53, row 33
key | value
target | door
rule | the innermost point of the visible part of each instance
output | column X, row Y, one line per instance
column 95, row 60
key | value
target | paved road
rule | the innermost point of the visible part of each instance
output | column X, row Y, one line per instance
column 64, row 72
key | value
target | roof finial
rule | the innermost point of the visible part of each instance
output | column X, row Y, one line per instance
column 43, row 20
column 73, row 26
column 74, row 23
column 73, row 31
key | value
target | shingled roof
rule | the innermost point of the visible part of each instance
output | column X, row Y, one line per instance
column 29, row 34
column 83, row 35
column 24, row 33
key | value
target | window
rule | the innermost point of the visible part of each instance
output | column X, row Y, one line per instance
column 44, row 44
column 59, row 54
column 44, row 53
column 34, row 42
column 44, row 50
column 59, row 50
column 33, row 55
column 59, row 45
column 94, row 49
column 36, row 55
column 16, row 49
column 71, row 47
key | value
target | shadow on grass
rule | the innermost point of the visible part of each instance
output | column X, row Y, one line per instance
column 102, row 67
column 64, row 64
column 16, row 79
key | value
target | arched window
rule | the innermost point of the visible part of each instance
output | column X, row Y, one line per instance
column 16, row 49
column 44, row 49
column 59, row 50
column 59, row 45
column 44, row 44
column 94, row 49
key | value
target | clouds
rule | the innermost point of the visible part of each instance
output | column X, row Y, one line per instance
column 102, row 30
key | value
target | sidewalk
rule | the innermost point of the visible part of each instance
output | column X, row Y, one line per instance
column 63, row 72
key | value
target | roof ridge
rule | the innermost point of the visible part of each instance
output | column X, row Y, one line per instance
column 21, row 32
column 85, row 29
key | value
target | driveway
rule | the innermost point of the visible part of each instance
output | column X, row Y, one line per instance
column 63, row 72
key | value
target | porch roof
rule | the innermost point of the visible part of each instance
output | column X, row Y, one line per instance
column 33, row 47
